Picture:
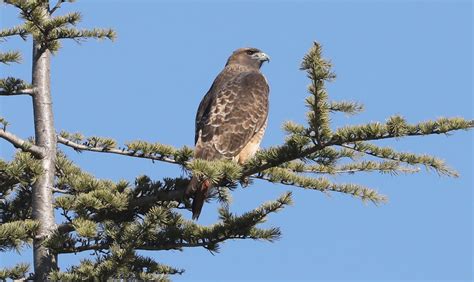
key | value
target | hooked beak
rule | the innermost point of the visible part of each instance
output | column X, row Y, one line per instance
column 262, row 57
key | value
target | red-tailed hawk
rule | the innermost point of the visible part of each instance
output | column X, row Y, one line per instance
column 232, row 116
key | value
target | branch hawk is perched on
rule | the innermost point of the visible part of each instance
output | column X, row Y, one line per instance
column 232, row 116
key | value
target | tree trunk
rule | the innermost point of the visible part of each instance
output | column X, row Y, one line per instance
column 45, row 136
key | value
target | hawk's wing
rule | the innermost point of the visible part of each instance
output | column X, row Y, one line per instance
column 230, row 115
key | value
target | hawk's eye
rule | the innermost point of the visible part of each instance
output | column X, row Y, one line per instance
column 250, row 52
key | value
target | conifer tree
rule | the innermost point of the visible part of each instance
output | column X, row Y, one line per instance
column 117, row 219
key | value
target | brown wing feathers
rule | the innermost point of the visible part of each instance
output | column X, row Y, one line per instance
column 236, row 113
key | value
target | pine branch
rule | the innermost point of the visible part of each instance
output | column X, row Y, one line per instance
column 11, row 86
column 100, row 200
column 13, row 56
column 286, row 177
column 23, row 170
column 219, row 171
column 34, row 14
column 350, row 108
column 162, row 229
column 23, row 4
column 292, row 128
column 63, row 21
column 84, row 227
column 58, row 5
column 76, row 34
column 13, row 235
column 16, row 273
column 318, row 71
column 276, row 156
column 397, row 127
column 392, row 167
column 10, row 57
column 137, row 149
column 13, row 31
column 73, row 181
column 16, row 180
column 47, row 31
column 141, row 203
column 17, row 207
column 81, row 147
column 17, row 142
column 394, row 128
column 29, row 92
column 410, row 158
column 120, row 264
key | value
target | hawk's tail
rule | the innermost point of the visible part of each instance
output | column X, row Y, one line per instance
column 200, row 190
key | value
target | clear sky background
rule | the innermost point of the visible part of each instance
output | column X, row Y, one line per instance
column 412, row 58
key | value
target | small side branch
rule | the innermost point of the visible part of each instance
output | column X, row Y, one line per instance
column 78, row 35
column 28, row 92
column 286, row 177
column 11, row 86
column 17, row 142
column 16, row 273
column 397, row 127
column 80, row 147
column 17, row 30
column 57, row 6
column 10, row 57
column 409, row 158
column 392, row 167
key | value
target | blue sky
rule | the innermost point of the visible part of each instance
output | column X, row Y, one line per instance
column 412, row 58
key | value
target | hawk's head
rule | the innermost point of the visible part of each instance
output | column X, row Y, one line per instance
column 248, row 56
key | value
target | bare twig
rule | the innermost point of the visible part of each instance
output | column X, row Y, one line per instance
column 81, row 147
column 17, row 142
column 57, row 6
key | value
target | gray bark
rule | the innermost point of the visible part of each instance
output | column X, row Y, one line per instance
column 45, row 137
column 17, row 142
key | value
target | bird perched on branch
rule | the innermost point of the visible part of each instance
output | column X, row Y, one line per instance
column 232, row 117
